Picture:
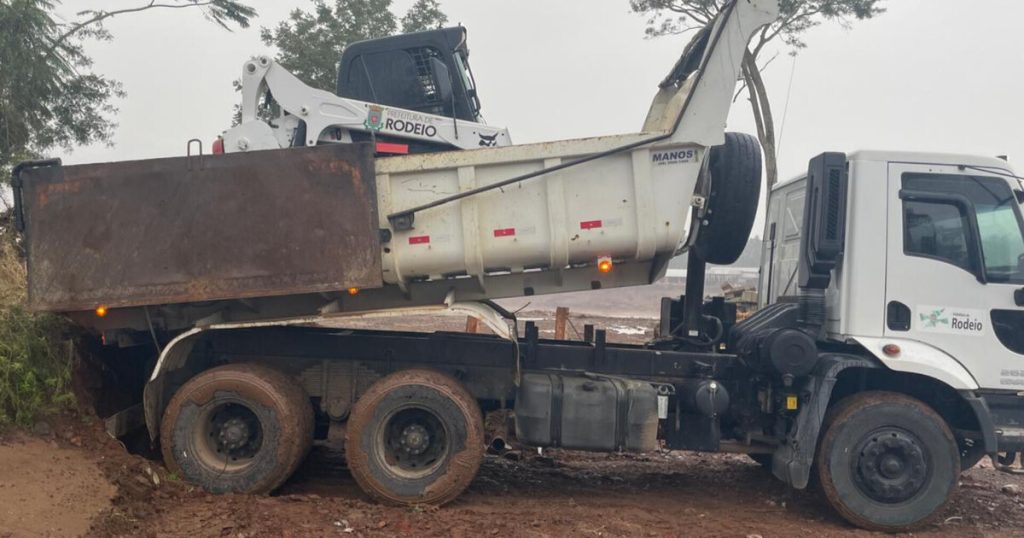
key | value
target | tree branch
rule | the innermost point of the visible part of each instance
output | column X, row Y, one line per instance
column 103, row 15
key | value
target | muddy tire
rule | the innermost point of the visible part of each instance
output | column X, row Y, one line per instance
column 735, row 170
column 237, row 428
column 415, row 437
column 887, row 462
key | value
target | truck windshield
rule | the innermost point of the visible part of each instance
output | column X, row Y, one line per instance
column 998, row 218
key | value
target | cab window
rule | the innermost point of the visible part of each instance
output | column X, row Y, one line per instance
column 936, row 230
column 942, row 230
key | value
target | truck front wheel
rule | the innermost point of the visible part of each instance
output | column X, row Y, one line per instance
column 887, row 461
column 237, row 428
column 415, row 437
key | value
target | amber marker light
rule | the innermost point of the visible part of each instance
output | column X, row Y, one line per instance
column 101, row 310
column 604, row 264
column 891, row 350
column 353, row 291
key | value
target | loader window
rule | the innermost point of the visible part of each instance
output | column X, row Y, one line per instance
column 468, row 82
column 403, row 78
column 940, row 230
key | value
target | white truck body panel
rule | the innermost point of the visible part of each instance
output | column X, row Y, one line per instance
column 605, row 207
column 920, row 358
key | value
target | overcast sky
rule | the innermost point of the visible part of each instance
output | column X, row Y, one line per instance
column 928, row 75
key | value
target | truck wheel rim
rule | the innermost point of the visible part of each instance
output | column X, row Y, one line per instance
column 414, row 442
column 891, row 465
column 229, row 437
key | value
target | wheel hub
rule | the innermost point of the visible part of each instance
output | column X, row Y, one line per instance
column 415, row 439
column 234, row 433
column 891, row 466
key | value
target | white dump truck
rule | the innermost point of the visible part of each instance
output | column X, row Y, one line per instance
column 884, row 358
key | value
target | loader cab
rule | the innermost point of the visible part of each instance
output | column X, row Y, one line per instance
column 423, row 71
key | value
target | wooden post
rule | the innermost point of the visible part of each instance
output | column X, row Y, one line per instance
column 561, row 317
column 472, row 324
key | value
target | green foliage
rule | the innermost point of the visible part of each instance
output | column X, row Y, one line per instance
column 35, row 371
column 310, row 44
column 49, row 98
column 423, row 15
column 36, row 354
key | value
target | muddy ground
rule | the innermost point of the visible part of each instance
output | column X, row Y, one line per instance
column 68, row 478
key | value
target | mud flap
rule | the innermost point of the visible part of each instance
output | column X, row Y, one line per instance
column 792, row 461
column 984, row 416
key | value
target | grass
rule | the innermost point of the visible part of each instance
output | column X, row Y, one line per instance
column 36, row 352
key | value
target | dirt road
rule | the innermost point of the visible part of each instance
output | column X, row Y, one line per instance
column 47, row 490
column 49, row 487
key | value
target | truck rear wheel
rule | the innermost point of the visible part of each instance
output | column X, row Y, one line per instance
column 735, row 169
column 237, row 428
column 887, row 462
column 415, row 437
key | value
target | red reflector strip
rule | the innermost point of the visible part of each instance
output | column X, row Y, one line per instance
column 385, row 147
column 590, row 224
column 504, row 232
column 419, row 239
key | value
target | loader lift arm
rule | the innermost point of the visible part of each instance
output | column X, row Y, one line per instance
column 309, row 116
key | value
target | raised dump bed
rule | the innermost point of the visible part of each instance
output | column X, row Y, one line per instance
column 331, row 229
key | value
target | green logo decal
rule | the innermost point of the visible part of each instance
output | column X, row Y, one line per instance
column 934, row 319
column 374, row 118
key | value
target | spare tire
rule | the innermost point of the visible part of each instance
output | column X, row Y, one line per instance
column 731, row 205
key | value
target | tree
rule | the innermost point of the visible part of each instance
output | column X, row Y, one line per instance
column 49, row 97
column 310, row 44
column 795, row 18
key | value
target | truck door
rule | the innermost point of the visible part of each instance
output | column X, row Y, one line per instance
column 954, row 262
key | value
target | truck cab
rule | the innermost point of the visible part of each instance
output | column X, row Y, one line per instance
column 945, row 231
column 931, row 279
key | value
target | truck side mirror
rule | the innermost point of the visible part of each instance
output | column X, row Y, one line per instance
column 824, row 229
column 443, row 83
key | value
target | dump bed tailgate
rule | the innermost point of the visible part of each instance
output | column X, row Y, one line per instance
column 191, row 229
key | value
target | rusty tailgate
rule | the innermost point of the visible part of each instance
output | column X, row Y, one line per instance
column 190, row 229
